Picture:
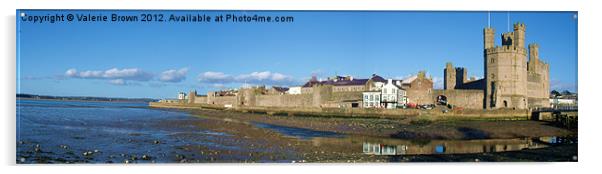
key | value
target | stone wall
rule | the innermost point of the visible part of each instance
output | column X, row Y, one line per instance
column 286, row 100
column 346, row 96
column 465, row 98
column 199, row 99
column 222, row 100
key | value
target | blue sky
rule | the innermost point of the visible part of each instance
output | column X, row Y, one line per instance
column 157, row 60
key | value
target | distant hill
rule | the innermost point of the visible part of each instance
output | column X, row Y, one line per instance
column 83, row 98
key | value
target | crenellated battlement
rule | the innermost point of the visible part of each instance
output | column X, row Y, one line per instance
column 520, row 26
column 506, row 49
column 533, row 45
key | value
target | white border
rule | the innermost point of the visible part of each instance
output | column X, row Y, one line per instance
column 588, row 65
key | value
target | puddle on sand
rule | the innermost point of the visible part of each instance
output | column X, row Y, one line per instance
column 425, row 147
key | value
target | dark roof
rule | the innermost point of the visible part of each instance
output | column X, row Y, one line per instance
column 311, row 83
column 377, row 78
column 342, row 81
column 346, row 82
column 280, row 89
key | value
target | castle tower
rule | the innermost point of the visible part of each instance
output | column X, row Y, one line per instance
column 533, row 51
column 461, row 76
column 519, row 35
column 506, row 71
column 191, row 96
column 450, row 76
column 488, row 37
column 538, row 79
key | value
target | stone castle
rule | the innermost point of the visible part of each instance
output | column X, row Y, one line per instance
column 511, row 80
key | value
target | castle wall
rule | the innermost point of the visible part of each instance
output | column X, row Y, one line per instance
column 477, row 84
column 346, row 96
column 306, row 90
column 222, row 100
column 199, row 100
column 300, row 100
column 472, row 99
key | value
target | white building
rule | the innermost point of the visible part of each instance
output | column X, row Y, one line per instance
column 294, row 90
column 181, row 96
column 560, row 101
column 371, row 99
column 392, row 95
column 389, row 95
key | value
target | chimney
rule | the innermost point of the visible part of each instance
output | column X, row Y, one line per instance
column 389, row 81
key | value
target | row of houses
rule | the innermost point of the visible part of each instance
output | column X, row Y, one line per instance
column 377, row 92
column 373, row 92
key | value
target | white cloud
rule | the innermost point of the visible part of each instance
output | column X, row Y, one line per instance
column 210, row 76
column 173, row 75
column 261, row 78
column 117, row 82
column 258, row 76
column 71, row 72
column 128, row 76
column 114, row 73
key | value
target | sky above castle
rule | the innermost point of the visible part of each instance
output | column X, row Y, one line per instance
column 157, row 60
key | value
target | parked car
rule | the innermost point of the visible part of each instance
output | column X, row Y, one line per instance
column 427, row 106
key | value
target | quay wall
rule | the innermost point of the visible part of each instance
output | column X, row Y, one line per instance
column 361, row 112
column 465, row 98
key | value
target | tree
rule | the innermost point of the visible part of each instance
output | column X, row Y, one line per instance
column 566, row 92
column 555, row 93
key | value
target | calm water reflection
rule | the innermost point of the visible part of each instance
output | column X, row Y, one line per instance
column 417, row 147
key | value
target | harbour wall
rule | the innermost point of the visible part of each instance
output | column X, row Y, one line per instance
column 498, row 114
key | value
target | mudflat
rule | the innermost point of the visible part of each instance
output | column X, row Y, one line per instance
column 346, row 139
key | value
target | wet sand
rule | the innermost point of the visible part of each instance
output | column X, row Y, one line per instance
column 405, row 127
column 268, row 145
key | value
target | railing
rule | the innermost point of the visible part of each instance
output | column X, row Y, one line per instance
column 556, row 109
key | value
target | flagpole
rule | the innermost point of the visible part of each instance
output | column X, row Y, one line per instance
column 488, row 19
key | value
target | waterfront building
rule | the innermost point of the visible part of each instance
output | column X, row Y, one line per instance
column 294, row 90
column 182, row 96
column 392, row 95
column 276, row 90
column 371, row 99
column 345, row 83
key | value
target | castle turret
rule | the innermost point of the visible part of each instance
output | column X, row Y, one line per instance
column 533, row 51
column 450, row 76
column 191, row 96
column 488, row 37
column 519, row 35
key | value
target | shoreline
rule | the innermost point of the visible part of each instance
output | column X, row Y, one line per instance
column 466, row 114
column 410, row 127
column 358, row 130
column 116, row 101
